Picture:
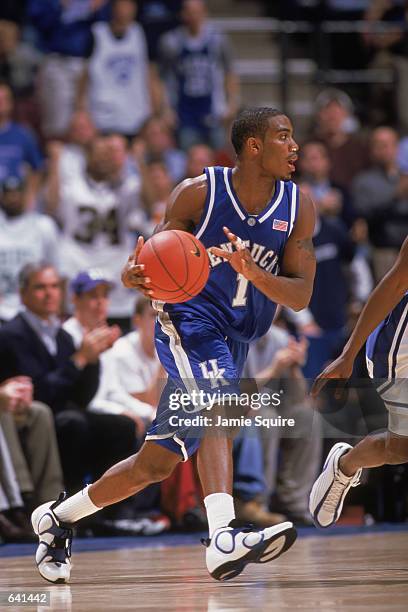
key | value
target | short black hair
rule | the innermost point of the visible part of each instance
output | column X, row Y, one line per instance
column 252, row 121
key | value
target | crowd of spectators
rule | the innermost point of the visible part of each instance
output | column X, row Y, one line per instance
column 105, row 105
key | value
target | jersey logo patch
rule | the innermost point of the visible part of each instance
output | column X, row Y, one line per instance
column 279, row 225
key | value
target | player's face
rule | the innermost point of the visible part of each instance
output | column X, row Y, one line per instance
column 92, row 306
column 279, row 149
column 43, row 294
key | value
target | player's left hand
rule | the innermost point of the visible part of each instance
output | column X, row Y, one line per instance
column 240, row 259
column 340, row 369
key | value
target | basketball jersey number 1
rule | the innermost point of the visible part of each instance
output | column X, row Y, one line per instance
column 240, row 296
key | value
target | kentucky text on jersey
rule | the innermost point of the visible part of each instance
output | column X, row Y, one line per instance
column 267, row 261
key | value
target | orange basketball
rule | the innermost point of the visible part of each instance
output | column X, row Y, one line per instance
column 177, row 264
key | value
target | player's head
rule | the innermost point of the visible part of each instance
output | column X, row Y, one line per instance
column 143, row 319
column 264, row 136
column 12, row 196
column 90, row 296
column 40, row 289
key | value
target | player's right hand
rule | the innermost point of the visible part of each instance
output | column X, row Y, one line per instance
column 133, row 273
column 341, row 369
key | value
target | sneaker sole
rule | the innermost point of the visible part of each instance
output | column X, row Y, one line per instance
column 266, row 551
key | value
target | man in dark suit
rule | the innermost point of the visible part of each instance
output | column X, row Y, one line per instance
column 33, row 344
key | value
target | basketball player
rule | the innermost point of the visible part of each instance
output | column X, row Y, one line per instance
column 258, row 230
column 384, row 324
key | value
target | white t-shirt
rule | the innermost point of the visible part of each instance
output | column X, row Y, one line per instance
column 136, row 370
column 111, row 396
column 95, row 220
column 28, row 238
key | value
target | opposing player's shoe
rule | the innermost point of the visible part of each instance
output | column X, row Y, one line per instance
column 330, row 489
column 53, row 556
column 231, row 548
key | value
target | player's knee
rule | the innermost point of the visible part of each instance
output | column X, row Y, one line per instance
column 153, row 467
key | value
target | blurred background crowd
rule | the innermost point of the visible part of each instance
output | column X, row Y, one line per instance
column 105, row 105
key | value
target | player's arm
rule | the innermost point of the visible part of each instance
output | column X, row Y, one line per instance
column 183, row 212
column 294, row 287
column 381, row 302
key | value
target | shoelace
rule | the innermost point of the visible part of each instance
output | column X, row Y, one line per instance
column 337, row 489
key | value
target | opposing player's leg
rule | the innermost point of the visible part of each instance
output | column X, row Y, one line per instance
column 343, row 467
column 53, row 521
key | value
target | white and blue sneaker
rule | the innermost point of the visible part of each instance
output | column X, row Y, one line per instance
column 330, row 489
column 231, row 548
column 53, row 555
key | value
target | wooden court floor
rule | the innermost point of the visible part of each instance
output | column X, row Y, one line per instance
column 359, row 572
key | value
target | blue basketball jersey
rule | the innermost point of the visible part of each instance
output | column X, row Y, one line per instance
column 387, row 345
column 229, row 302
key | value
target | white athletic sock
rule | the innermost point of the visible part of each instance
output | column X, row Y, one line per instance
column 76, row 507
column 220, row 510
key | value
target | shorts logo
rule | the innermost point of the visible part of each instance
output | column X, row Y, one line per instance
column 215, row 374
column 279, row 225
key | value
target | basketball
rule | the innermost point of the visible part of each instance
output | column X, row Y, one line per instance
column 177, row 264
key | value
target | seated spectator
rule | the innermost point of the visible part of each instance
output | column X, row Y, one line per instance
column 28, row 427
column 97, row 215
column 199, row 157
column 157, row 145
column 90, row 295
column 33, row 344
column 135, row 360
column 25, row 237
column 336, row 126
column 19, row 152
column 292, row 458
column 19, row 64
column 331, row 200
column 118, row 86
column 14, row 525
column 65, row 35
column 202, row 88
column 380, row 195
